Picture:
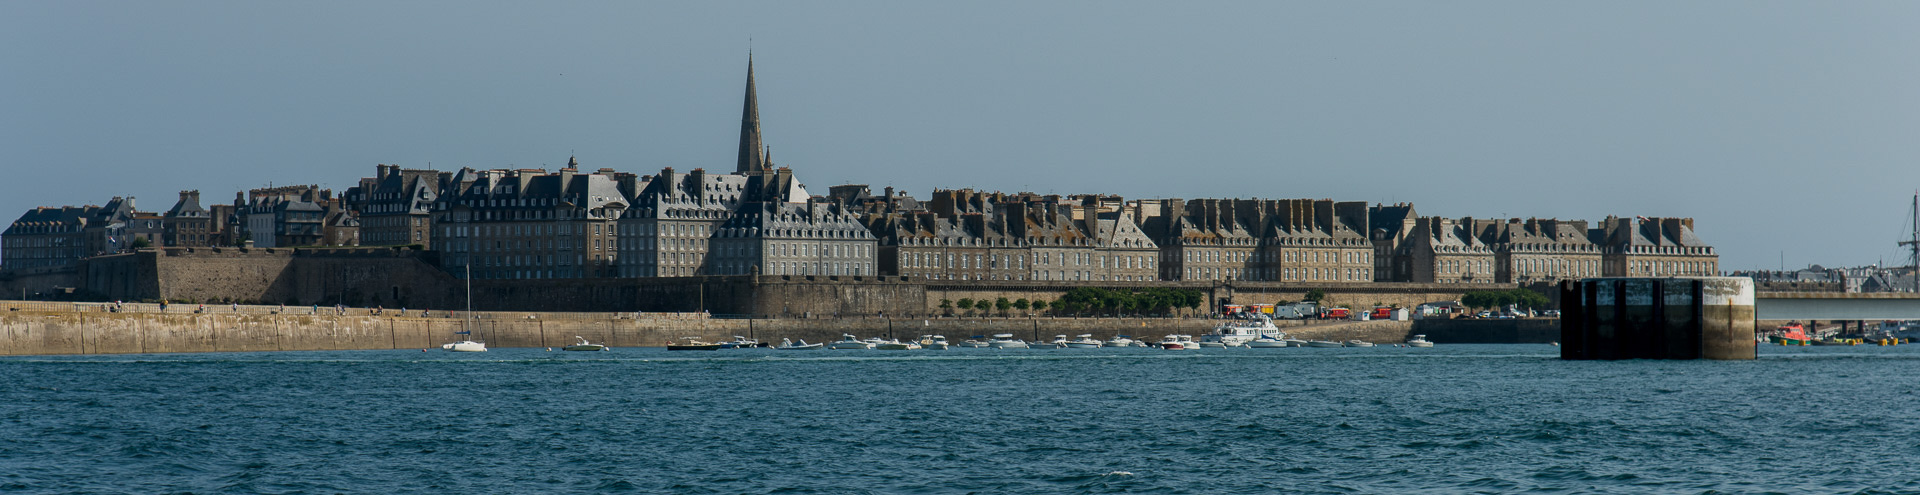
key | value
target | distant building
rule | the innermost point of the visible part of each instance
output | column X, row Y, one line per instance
column 1294, row 240
column 395, row 206
column 187, row 224
column 46, row 237
column 529, row 224
column 1654, row 247
column 288, row 216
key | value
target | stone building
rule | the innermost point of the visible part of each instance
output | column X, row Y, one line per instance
column 1295, row 240
column 287, row 216
column 969, row 235
column 1392, row 226
column 1654, row 247
column 665, row 233
column 529, row 224
column 395, row 206
column 782, row 238
column 46, row 237
column 1449, row 251
column 1544, row 251
column 187, row 224
column 111, row 228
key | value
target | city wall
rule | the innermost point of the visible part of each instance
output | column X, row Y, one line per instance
column 41, row 328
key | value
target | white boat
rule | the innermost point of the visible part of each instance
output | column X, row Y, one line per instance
column 1086, row 341
column 849, row 342
column 1267, row 342
column 1359, row 343
column 1120, row 341
column 788, row 345
column 466, row 346
column 1058, row 342
column 895, row 345
column 1324, row 343
column 583, row 345
column 1178, row 342
column 1233, row 333
column 1006, row 341
column 1291, row 342
column 973, row 344
column 1419, row 341
column 933, row 342
column 739, row 342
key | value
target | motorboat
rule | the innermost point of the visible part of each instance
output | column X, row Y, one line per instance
column 693, row 344
column 1791, row 334
column 739, row 342
column 1267, row 342
column 1213, row 345
column 1233, row 333
column 1419, row 341
column 1295, row 342
column 788, row 345
column 1178, row 342
column 465, row 346
column 895, row 345
column 1086, row 341
column 582, row 345
column 1359, row 343
column 974, row 344
column 1324, row 343
column 933, row 342
column 1058, row 342
column 848, row 341
column 1006, row 341
column 1120, row 341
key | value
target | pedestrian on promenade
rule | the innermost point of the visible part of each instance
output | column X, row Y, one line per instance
column 236, row 307
column 163, row 305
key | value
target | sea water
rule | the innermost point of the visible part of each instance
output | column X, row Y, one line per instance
column 1454, row 418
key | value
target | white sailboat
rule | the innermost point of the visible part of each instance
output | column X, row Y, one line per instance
column 468, row 345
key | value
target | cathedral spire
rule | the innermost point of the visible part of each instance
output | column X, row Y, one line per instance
column 750, row 157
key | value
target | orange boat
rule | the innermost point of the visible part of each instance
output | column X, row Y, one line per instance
column 1791, row 334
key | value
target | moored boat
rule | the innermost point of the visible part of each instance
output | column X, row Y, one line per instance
column 848, row 341
column 1119, row 341
column 693, row 344
column 583, row 345
column 1085, row 341
column 933, row 342
column 1324, row 343
column 788, row 345
column 1233, row 333
column 1006, row 341
column 1359, row 343
column 1178, row 342
column 1419, row 341
column 1267, row 342
column 739, row 342
column 895, row 345
column 1791, row 334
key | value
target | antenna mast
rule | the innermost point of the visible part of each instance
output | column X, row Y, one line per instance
column 1914, row 242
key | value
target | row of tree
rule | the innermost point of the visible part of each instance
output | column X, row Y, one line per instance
column 1502, row 298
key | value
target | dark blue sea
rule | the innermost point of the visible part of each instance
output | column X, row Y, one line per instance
column 1451, row 419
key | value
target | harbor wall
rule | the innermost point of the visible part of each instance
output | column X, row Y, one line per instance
column 41, row 328
column 399, row 277
column 1479, row 331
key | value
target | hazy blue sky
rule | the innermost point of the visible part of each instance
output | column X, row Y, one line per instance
column 1782, row 127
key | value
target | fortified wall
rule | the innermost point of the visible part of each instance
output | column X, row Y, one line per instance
column 402, row 278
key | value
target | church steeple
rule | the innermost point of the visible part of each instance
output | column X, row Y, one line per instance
column 750, row 157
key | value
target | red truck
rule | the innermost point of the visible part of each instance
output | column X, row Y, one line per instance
column 1337, row 314
column 1381, row 313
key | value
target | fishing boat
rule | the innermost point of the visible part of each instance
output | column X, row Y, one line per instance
column 693, row 344
column 788, row 345
column 1006, row 341
column 848, row 341
column 582, row 345
column 1085, row 341
column 1419, row 341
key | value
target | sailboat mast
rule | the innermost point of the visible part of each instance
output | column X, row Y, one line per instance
column 1914, row 243
column 468, row 324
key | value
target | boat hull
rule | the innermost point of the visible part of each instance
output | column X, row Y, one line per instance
column 1322, row 343
column 1262, row 344
column 588, row 347
column 808, row 347
column 466, row 346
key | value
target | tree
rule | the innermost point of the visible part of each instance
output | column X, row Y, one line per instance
column 141, row 243
column 1002, row 304
column 1315, row 296
column 966, row 303
column 946, row 306
column 1039, row 304
column 1022, row 304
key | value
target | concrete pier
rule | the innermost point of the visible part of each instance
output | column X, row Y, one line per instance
column 1657, row 318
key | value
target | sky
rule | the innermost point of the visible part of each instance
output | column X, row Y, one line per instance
column 1790, row 131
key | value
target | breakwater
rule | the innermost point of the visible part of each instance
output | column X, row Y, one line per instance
column 38, row 328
